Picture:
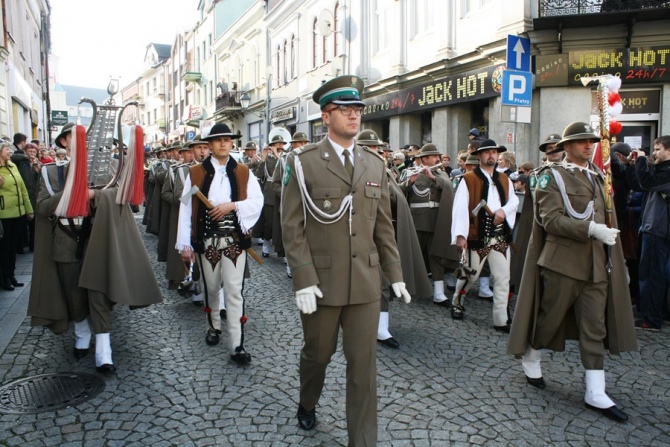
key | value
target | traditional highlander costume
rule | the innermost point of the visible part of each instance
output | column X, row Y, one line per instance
column 485, row 240
column 220, row 246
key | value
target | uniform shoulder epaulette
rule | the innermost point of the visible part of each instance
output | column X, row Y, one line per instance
column 305, row 148
column 367, row 149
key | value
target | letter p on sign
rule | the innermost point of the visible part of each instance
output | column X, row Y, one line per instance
column 517, row 88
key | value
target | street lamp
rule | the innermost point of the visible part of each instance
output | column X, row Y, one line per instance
column 245, row 99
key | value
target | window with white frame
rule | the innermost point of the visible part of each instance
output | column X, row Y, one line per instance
column 382, row 25
column 286, row 62
column 278, row 68
column 421, row 16
column 315, row 44
column 293, row 73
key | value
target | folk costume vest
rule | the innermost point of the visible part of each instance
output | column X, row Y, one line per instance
column 478, row 186
column 202, row 176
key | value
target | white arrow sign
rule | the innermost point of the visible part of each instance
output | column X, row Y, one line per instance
column 519, row 51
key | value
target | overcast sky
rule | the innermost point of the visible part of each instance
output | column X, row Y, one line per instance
column 96, row 39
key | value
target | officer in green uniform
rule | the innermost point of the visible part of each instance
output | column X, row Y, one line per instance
column 566, row 290
column 337, row 233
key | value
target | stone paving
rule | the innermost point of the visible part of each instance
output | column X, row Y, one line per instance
column 450, row 383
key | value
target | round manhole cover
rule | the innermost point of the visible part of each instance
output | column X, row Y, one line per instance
column 48, row 392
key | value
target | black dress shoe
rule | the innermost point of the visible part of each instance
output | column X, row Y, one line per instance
column 485, row 298
column 389, row 343
column 457, row 313
column 15, row 282
column 212, row 337
column 306, row 419
column 446, row 303
column 107, row 368
column 197, row 303
column 266, row 255
column 241, row 357
column 80, row 353
column 223, row 314
column 537, row 383
column 504, row 329
column 7, row 284
column 612, row 412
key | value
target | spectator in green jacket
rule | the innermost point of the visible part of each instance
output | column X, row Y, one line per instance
column 14, row 203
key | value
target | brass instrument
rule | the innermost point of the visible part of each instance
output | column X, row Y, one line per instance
column 414, row 170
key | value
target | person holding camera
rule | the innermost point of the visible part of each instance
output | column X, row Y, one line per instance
column 654, row 233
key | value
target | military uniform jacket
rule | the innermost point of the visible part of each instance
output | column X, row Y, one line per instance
column 426, row 218
column 561, row 244
column 344, row 264
column 264, row 172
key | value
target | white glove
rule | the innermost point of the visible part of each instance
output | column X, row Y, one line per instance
column 305, row 299
column 401, row 292
column 603, row 233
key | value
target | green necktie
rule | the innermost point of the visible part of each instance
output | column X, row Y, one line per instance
column 347, row 163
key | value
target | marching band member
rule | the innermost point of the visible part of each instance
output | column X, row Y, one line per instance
column 487, row 236
column 566, row 290
column 81, row 270
column 430, row 197
column 217, row 237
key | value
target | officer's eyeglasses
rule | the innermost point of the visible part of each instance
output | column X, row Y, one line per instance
column 348, row 110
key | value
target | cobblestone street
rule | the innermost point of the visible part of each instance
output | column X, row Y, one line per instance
column 450, row 383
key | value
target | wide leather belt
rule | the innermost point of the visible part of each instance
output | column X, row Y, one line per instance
column 430, row 204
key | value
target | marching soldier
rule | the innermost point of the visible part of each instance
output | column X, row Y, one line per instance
column 154, row 199
column 337, row 243
column 567, row 291
column 166, row 176
column 78, row 275
column 175, row 268
column 250, row 157
column 431, row 197
column 264, row 172
column 298, row 140
column 488, row 195
column 218, row 237
column 554, row 153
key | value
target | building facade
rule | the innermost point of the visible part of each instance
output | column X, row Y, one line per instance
column 23, row 83
column 433, row 70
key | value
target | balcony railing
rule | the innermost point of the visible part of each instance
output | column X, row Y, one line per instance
column 191, row 73
column 228, row 101
column 554, row 8
column 160, row 122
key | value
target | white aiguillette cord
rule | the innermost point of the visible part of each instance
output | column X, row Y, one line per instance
column 309, row 205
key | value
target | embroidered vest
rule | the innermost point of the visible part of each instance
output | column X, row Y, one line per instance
column 478, row 187
column 202, row 176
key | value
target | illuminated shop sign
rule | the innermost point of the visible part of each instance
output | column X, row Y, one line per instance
column 634, row 65
column 468, row 86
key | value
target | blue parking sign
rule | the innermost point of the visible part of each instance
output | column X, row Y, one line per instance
column 517, row 88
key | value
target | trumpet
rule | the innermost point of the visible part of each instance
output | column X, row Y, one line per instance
column 414, row 170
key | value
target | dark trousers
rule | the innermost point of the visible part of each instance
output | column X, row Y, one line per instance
column 359, row 342
column 12, row 228
column 654, row 273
